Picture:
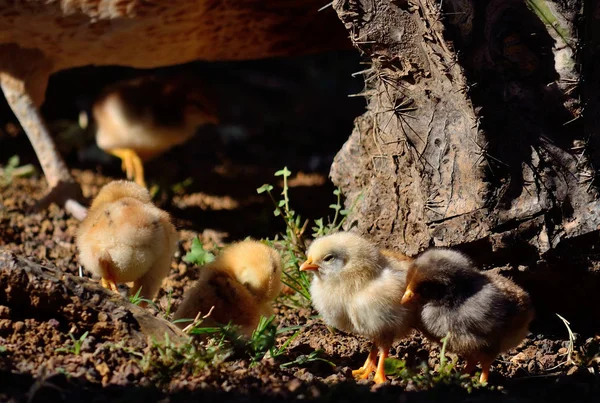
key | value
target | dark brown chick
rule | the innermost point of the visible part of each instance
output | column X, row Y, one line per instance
column 142, row 118
column 483, row 313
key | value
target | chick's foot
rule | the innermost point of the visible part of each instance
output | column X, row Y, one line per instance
column 110, row 285
column 368, row 367
column 131, row 164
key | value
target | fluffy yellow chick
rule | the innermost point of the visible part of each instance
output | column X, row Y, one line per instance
column 357, row 288
column 126, row 238
column 142, row 118
column 239, row 287
column 482, row 313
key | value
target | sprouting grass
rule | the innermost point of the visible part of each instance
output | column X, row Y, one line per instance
column 136, row 299
column 262, row 342
column 571, row 346
column 75, row 347
column 427, row 378
column 13, row 170
column 293, row 243
column 167, row 357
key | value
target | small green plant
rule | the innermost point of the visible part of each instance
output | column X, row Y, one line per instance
column 292, row 244
column 264, row 340
column 427, row 378
column 136, row 299
column 167, row 357
column 167, row 311
column 320, row 229
column 227, row 338
column 198, row 254
column 75, row 347
column 303, row 359
column 12, row 170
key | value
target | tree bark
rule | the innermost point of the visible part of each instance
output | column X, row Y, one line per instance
column 473, row 133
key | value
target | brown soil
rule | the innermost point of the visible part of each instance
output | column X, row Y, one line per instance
column 110, row 365
column 221, row 205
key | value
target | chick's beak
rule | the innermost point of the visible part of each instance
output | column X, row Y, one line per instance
column 309, row 266
column 408, row 296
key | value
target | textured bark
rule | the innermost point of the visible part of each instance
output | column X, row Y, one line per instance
column 473, row 132
column 25, row 285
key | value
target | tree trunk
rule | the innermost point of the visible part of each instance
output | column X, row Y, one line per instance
column 471, row 132
column 474, row 135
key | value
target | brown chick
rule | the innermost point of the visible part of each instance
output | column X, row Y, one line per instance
column 239, row 287
column 142, row 118
column 482, row 313
column 357, row 288
column 126, row 238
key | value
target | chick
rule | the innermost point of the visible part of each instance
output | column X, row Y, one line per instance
column 239, row 287
column 357, row 288
column 142, row 118
column 126, row 238
column 482, row 313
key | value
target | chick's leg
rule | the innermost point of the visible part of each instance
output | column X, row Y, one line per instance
column 485, row 370
column 131, row 164
column 109, row 284
column 24, row 93
column 471, row 363
column 106, row 266
column 368, row 367
column 380, row 373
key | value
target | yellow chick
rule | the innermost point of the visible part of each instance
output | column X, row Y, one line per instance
column 357, row 288
column 126, row 238
column 239, row 287
column 482, row 313
column 142, row 118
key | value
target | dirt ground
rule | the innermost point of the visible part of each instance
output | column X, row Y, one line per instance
column 220, row 205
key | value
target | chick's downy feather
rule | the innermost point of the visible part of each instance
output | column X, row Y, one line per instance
column 482, row 313
column 238, row 287
column 126, row 238
column 357, row 288
column 361, row 295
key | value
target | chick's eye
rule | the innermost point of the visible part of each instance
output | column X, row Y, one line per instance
column 329, row 258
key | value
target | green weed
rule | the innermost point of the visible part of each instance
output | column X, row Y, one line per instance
column 75, row 347
column 198, row 255
column 13, row 170
column 427, row 378
column 166, row 358
column 292, row 244
column 261, row 343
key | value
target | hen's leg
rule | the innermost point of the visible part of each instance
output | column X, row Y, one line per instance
column 23, row 79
